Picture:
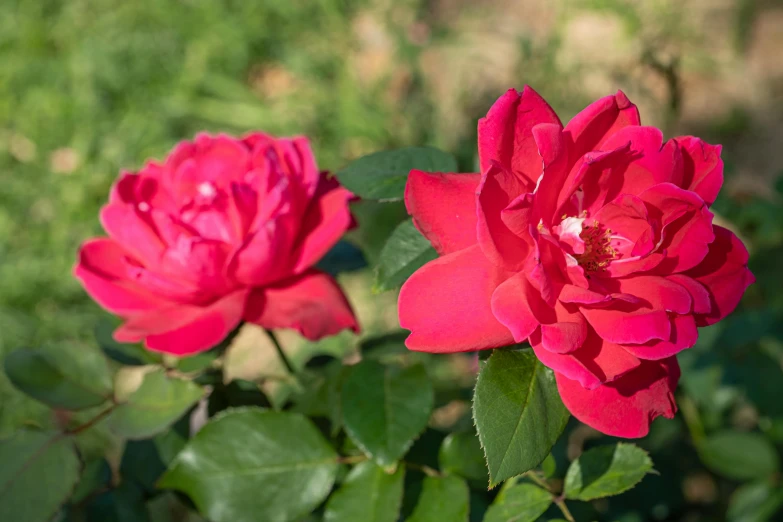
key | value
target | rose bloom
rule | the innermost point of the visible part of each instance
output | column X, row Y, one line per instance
column 224, row 230
column 594, row 242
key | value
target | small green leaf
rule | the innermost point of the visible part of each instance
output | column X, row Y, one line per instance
column 249, row 464
column 518, row 412
column 405, row 251
column 383, row 175
column 605, row 471
column 39, row 471
column 368, row 494
column 739, row 455
column 549, row 466
column 522, row 502
column 154, row 406
column 441, row 499
column 61, row 377
column 461, row 454
column 385, row 408
column 754, row 502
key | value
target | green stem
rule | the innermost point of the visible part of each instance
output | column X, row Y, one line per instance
column 280, row 353
column 692, row 419
column 538, row 480
column 92, row 422
column 564, row 509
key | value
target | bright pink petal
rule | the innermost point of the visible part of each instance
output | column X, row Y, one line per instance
column 621, row 326
column 505, row 134
column 700, row 297
column 311, row 303
column 263, row 258
column 185, row 330
column 564, row 337
column 326, row 220
column 684, row 335
column 553, row 149
column 657, row 292
column 703, row 167
column 443, row 207
column 627, row 406
column 724, row 272
column 446, row 304
column 102, row 270
column 512, row 304
column 590, row 129
column 497, row 189
column 124, row 224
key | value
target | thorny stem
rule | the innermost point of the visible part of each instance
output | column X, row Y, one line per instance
column 280, row 352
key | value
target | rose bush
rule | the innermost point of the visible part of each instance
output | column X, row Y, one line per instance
column 594, row 242
column 223, row 230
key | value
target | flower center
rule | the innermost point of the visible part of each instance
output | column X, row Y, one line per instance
column 598, row 251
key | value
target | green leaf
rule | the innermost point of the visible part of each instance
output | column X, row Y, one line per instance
column 61, row 377
column 522, row 502
column 125, row 503
column 405, row 251
column 249, row 464
column 39, row 471
column 154, row 406
column 739, row 455
column 754, row 502
column 369, row 494
column 605, row 471
column 385, row 408
column 461, row 454
column 383, row 175
column 442, row 498
column 518, row 412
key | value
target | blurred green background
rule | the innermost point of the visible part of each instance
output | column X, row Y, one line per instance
column 90, row 87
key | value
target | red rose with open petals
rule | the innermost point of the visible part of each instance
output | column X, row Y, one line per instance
column 594, row 242
column 225, row 229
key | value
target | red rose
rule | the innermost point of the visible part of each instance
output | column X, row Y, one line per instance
column 224, row 230
column 594, row 242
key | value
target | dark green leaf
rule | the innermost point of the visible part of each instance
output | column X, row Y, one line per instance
column 141, row 463
column 368, row 494
column 383, row 175
column 754, row 502
column 605, row 471
column 549, row 466
column 739, row 455
column 385, row 408
column 249, row 464
column 171, row 441
column 518, row 412
column 461, row 454
column 95, row 476
column 124, row 503
column 441, row 499
column 61, row 377
column 128, row 354
column 39, row 471
column 520, row 502
column 155, row 405
column 405, row 251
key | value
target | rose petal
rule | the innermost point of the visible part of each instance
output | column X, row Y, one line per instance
column 512, row 304
column 622, row 326
column 590, row 129
column 703, row 167
column 327, row 218
column 446, row 304
column 684, row 335
column 627, row 406
column 311, row 303
column 443, row 206
column 724, row 272
column 505, row 134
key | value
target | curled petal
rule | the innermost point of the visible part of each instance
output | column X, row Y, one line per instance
column 446, row 304
column 628, row 327
column 683, row 335
column 443, row 207
column 703, row 167
column 590, row 129
column 626, row 406
column 512, row 304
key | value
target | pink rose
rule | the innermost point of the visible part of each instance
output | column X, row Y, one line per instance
column 593, row 242
column 224, row 230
